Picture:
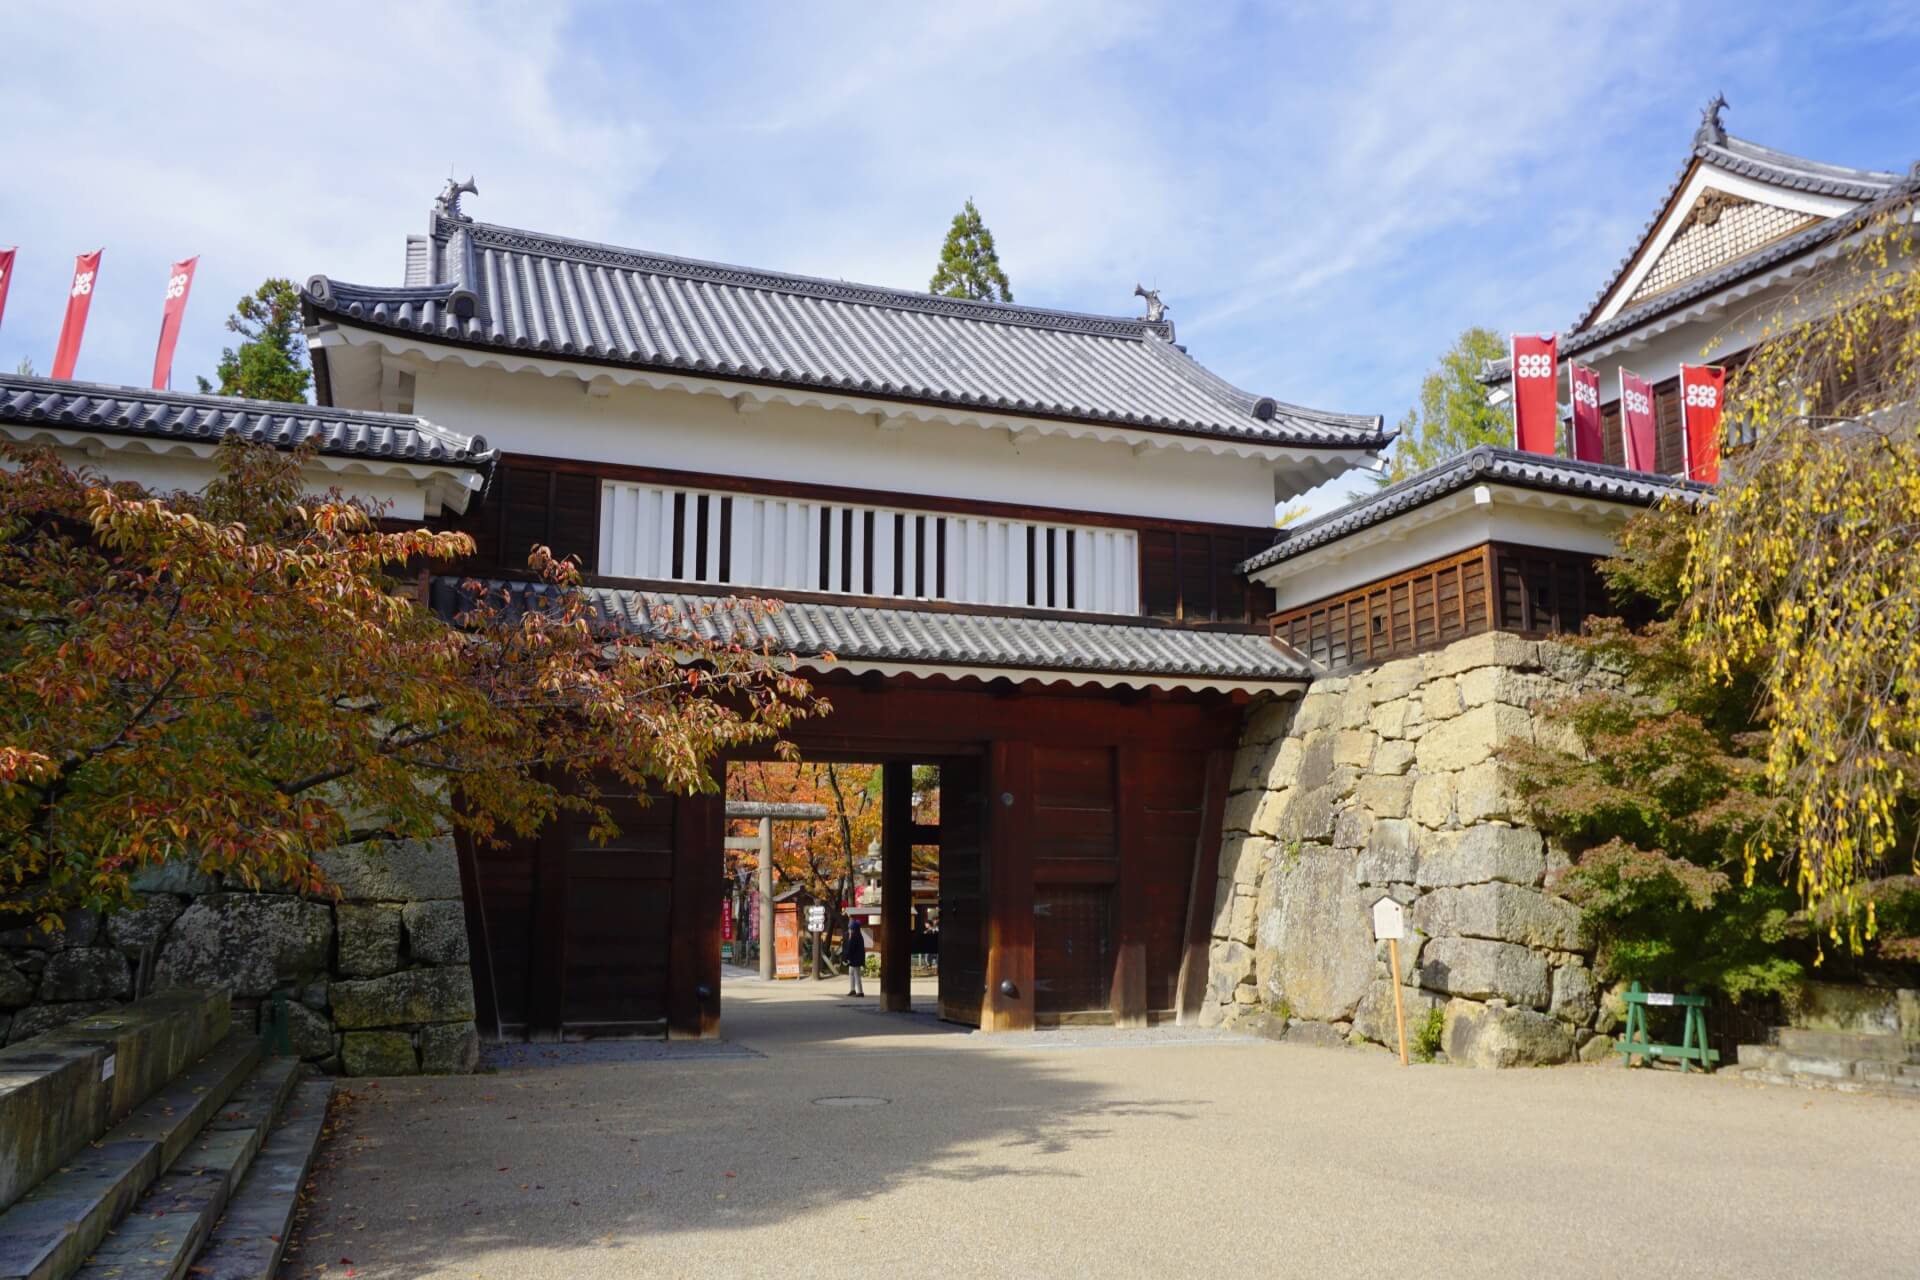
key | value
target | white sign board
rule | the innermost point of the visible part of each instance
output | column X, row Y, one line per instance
column 106, row 1067
column 1389, row 920
column 1659, row 997
column 816, row 919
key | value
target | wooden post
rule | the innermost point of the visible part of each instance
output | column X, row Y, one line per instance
column 1190, row 988
column 1399, row 1010
column 1130, row 907
column 896, row 886
column 763, row 880
column 1009, row 997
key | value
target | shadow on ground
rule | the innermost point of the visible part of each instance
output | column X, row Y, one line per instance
column 814, row 1102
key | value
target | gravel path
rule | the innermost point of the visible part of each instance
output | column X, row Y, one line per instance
column 823, row 1139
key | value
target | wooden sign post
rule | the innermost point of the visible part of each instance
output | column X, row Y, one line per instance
column 1390, row 922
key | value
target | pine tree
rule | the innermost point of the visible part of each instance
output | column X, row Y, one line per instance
column 272, row 363
column 969, row 267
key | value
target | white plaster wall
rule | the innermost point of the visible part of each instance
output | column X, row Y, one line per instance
column 639, row 426
column 169, row 473
column 1439, row 529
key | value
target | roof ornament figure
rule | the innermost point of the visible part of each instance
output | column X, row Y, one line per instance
column 447, row 204
column 1156, row 309
column 1711, row 131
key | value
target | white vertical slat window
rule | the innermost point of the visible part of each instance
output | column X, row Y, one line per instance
column 671, row 534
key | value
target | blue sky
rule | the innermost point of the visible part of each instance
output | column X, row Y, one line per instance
column 1324, row 195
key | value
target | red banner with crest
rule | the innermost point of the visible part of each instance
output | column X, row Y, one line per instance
column 86, row 269
column 1536, row 408
column 1589, row 438
column 179, row 284
column 1638, row 433
column 1703, row 393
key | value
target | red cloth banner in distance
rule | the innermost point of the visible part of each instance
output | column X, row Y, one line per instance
column 1588, row 436
column 179, row 283
column 86, row 270
column 6, row 278
column 1703, row 393
column 1637, row 430
column 1536, row 409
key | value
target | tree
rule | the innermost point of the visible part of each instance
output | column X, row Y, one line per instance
column 236, row 680
column 969, row 266
column 271, row 364
column 1807, row 569
column 1453, row 415
column 25, row 367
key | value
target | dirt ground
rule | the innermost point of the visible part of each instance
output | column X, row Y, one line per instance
column 822, row 1137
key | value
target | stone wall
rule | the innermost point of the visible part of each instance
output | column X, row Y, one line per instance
column 1385, row 782
column 378, row 980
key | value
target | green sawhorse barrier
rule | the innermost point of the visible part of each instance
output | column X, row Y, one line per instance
column 1637, row 1042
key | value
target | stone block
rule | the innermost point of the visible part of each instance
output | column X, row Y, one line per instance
column 1241, row 808
column 369, row 940
column 38, row 1019
column 1485, row 791
column 86, row 973
column 1472, row 736
column 310, row 1033
column 1271, row 721
column 1440, row 700
column 1502, row 912
column 1228, row 965
column 16, row 988
column 1375, row 1019
column 1352, row 827
column 394, row 870
column 77, row 928
column 1397, row 679
column 378, row 1053
column 144, row 924
column 177, row 877
column 1241, row 927
column 1489, row 1036
column 449, row 1048
column 1597, row 1049
column 1222, row 907
column 1565, row 663
column 1490, row 851
column 1389, row 719
column 1353, row 747
column 1316, row 760
column 1241, row 858
column 246, row 943
column 1386, row 797
column 406, row 998
column 1574, row 997
column 1488, row 649
column 1308, row 815
column 1392, row 757
column 1314, row 945
column 1389, row 855
column 1515, row 688
column 1318, row 710
column 1355, row 704
column 1482, row 970
column 1431, row 802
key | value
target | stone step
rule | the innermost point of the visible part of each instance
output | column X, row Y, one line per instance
column 52, row 1228
column 160, row 1235
column 1814, row 1043
column 1894, row 1086
column 248, row 1242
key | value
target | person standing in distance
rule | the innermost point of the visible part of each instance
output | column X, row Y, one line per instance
column 854, row 952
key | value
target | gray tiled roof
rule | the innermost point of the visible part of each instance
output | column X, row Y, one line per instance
column 1485, row 463
column 206, row 419
column 990, row 642
column 1749, row 160
column 496, row 287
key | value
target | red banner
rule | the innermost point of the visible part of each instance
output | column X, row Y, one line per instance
column 6, row 278
column 179, row 283
column 1536, row 408
column 726, row 919
column 1702, row 393
column 1638, row 435
column 86, row 269
column 1589, row 439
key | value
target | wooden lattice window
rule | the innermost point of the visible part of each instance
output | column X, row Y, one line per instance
column 1433, row 604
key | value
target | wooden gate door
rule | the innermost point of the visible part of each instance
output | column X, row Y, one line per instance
column 963, row 817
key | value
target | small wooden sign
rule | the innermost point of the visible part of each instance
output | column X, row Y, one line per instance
column 1389, row 921
column 816, row 919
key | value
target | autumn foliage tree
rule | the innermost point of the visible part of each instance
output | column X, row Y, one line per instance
column 240, row 678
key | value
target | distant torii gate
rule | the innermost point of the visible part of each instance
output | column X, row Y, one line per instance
column 763, row 881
